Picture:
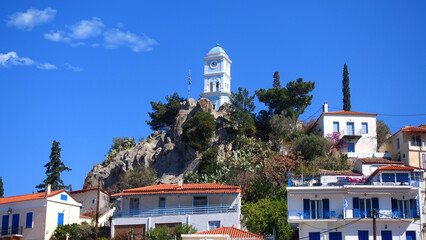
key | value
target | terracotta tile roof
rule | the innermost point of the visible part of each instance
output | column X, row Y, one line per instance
column 185, row 189
column 82, row 216
column 412, row 129
column 341, row 172
column 87, row 190
column 232, row 232
column 378, row 161
column 392, row 168
column 350, row 113
column 28, row 197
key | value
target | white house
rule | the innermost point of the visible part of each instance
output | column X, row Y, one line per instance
column 343, row 208
column 217, row 77
column 88, row 199
column 357, row 129
column 205, row 206
column 36, row 216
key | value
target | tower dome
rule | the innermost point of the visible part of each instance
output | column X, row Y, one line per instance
column 216, row 49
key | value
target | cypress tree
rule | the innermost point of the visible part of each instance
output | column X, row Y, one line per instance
column 277, row 83
column 346, row 89
column 54, row 168
column 1, row 188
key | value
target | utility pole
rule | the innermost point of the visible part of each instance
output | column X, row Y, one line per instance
column 97, row 209
column 374, row 225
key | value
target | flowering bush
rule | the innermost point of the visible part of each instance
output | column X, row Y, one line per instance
column 356, row 180
column 336, row 142
column 90, row 213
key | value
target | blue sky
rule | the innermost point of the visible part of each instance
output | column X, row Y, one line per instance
column 83, row 72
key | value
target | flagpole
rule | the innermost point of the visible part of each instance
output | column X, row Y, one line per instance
column 189, row 82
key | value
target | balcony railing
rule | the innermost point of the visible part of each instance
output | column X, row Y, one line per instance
column 332, row 214
column 352, row 213
column 11, row 231
column 175, row 211
column 316, row 182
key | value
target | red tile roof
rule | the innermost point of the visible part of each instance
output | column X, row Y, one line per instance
column 28, row 197
column 341, row 172
column 232, row 232
column 87, row 190
column 350, row 113
column 82, row 216
column 412, row 129
column 378, row 161
column 184, row 189
column 392, row 168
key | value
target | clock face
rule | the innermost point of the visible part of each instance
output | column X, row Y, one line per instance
column 213, row 65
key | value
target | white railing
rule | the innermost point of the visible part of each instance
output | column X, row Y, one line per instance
column 175, row 211
column 331, row 214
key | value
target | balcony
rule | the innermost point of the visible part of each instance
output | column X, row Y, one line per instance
column 336, row 214
column 11, row 231
column 175, row 211
column 329, row 215
column 350, row 135
column 413, row 181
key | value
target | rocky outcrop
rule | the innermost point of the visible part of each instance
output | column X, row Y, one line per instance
column 164, row 151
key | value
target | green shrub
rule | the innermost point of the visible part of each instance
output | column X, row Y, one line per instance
column 118, row 144
column 76, row 231
column 198, row 130
column 209, row 162
column 311, row 146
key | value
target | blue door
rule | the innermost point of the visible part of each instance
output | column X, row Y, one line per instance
column 60, row 219
column 314, row 236
column 335, row 235
column 351, row 147
column 350, row 128
column 410, row 235
column 15, row 223
column 386, row 235
column 4, row 224
column 362, row 235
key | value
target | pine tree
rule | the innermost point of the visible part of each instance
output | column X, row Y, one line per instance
column 54, row 168
column 346, row 89
column 1, row 188
column 277, row 83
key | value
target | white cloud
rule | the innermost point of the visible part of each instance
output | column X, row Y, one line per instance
column 71, row 67
column 31, row 18
column 115, row 38
column 86, row 28
column 12, row 59
column 58, row 36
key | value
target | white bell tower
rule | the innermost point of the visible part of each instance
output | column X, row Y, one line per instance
column 217, row 77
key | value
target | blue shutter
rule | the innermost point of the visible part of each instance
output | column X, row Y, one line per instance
column 351, row 147
column 64, row 197
column 355, row 202
column 4, row 224
column 335, row 235
column 60, row 219
column 386, row 235
column 29, row 220
column 306, row 208
column 395, row 208
column 362, row 235
column 410, row 235
column 413, row 208
column 314, row 236
column 375, row 203
column 15, row 223
column 326, row 208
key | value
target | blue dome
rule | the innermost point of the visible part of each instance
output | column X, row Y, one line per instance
column 216, row 49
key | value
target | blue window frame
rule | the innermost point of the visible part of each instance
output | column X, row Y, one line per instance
column 162, row 202
column 336, row 127
column 64, row 197
column 410, row 235
column 4, row 224
column 335, row 235
column 350, row 128
column 362, row 235
column 388, row 177
column 60, row 219
column 15, row 223
column 214, row 225
column 386, row 235
column 402, row 177
column 29, row 220
column 397, row 143
column 364, row 128
column 351, row 147
column 314, row 236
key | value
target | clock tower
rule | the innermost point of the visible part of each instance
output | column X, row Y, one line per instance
column 217, row 77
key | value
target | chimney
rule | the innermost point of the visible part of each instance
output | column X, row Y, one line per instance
column 180, row 181
column 47, row 190
column 325, row 107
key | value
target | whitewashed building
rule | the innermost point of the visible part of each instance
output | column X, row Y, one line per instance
column 217, row 77
column 88, row 199
column 36, row 216
column 340, row 204
column 205, row 206
column 357, row 129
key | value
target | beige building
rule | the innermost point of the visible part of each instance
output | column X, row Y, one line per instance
column 408, row 145
column 36, row 216
column 88, row 198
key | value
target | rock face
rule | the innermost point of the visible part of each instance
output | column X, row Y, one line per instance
column 164, row 151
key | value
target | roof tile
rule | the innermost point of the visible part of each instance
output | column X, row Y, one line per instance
column 232, row 232
column 28, row 197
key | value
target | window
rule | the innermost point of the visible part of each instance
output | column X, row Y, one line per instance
column 316, row 209
column 416, row 140
column 402, row 178
column 364, row 128
column 134, row 204
column 214, row 225
column 397, row 143
column 200, row 201
column 29, row 220
column 351, row 147
column 64, row 197
column 211, row 87
column 335, row 235
column 93, row 201
column 336, row 127
column 388, row 177
column 162, row 202
column 410, row 235
column 386, row 235
column 362, row 235
column 60, row 219
column 4, row 224
column 350, row 128
column 363, row 207
column 404, row 208
column 314, row 236
column 15, row 223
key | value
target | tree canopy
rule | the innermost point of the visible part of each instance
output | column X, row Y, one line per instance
column 346, row 89
column 163, row 114
column 198, row 130
column 54, row 168
column 242, row 116
column 383, row 132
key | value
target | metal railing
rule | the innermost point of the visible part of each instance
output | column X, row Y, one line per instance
column 11, row 231
column 352, row 213
column 175, row 211
column 316, row 182
column 331, row 214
